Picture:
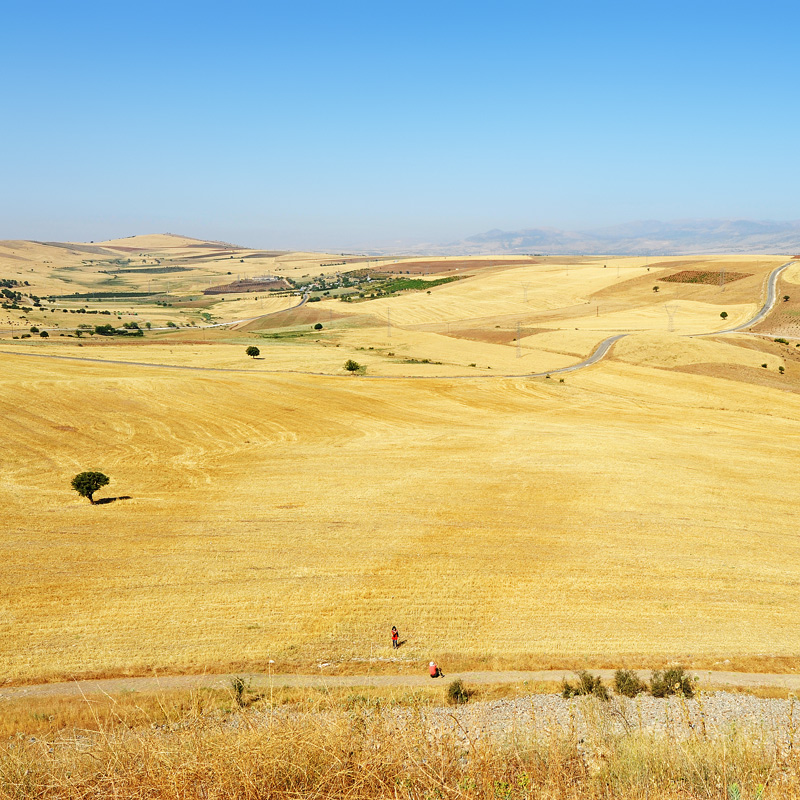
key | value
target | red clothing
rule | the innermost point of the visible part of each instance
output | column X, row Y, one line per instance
column 434, row 670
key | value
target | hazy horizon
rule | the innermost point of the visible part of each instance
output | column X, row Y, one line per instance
column 330, row 128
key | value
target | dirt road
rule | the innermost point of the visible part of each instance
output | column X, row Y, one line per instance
column 261, row 681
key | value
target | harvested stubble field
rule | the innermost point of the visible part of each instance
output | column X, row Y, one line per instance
column 634, row 512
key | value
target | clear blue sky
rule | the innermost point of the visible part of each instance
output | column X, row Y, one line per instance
column 342, row 124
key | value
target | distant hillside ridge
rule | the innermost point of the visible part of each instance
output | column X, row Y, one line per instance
column 644, row 237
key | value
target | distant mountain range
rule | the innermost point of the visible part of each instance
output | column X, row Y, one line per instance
column 649, row 237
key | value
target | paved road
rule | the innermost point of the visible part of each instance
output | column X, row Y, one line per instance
column 772, row 282
column 261, row 681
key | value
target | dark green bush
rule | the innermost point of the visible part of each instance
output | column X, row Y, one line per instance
column 457, row 693
column 627, row 682
column 671, row 681
column 587, row 684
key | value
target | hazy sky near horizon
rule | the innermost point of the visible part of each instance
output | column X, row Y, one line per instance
column 333, row 125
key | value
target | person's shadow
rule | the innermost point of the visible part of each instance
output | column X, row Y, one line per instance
column 401, row 642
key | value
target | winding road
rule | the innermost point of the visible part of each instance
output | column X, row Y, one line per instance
column 601, row 351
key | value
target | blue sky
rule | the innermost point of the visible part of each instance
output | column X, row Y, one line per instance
column 348, row 124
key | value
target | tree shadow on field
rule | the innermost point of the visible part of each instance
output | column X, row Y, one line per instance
column 104, row 500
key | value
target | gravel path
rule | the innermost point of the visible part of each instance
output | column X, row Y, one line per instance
column 261, row 681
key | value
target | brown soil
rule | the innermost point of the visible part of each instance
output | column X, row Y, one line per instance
column 493, row 335
column 710, row 278
column 308, row 314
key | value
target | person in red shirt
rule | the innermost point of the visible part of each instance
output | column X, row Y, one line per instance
column 434, row 670
column 395, row 638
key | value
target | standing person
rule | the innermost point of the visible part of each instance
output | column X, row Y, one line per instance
column 435, row 672
column 395, row 638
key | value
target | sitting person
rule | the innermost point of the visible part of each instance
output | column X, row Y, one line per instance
column 434, row 670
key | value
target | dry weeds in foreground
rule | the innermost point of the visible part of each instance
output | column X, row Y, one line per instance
column 199, row 749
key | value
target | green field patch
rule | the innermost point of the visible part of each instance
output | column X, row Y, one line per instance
column 289, row 335
column 410, row 284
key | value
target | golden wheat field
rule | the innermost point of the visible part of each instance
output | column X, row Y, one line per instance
column 280, row 509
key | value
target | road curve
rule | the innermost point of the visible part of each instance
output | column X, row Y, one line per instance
column 593, row 358
column 772, row 282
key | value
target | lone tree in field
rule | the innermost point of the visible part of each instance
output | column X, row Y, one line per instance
column 87, row 483
column 724, row 314
column 253, row 351
column 352, row 366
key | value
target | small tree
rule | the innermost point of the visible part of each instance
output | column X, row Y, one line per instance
column 352, row 366
column 655, row 288
column 253, row 351
column 318, row 326
column 724, row 314
column 786, row 298
column 44, row 334
column 87, row 483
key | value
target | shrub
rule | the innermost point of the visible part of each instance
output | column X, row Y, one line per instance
column 44, row 334
column 764, row 366
column 352, row 366
column 318, row 326
column 671, row 681
column 628, row 683
column 781, row 340
column 457, row 693
column 34, row 329
column 781, row 369
column 239, row 689
column 587, row 684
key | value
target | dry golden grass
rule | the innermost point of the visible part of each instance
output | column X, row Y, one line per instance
column 629, row 510
column 199, row 748
column 627, row 515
